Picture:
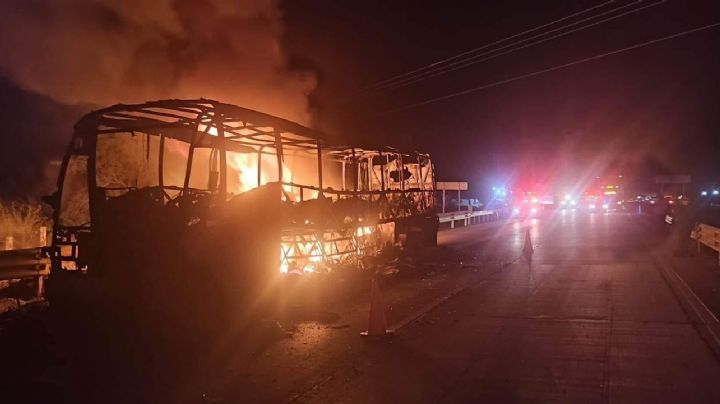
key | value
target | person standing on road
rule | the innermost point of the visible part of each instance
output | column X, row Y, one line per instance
column 683, row 222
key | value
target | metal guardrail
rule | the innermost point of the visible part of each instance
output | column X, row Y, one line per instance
column 468, row 217
column 24, row 264
column 707, row 235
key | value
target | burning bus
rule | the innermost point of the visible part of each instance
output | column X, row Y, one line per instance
column 208, row 187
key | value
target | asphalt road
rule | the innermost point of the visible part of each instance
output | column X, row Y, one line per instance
column 603, row 314
column 598, row 317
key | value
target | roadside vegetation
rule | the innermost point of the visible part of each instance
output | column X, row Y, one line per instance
column 22, row 221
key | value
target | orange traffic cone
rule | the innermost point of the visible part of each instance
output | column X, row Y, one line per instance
column 377, row 324
column 527, row 247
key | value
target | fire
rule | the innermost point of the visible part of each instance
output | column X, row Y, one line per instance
column 364, row 231
column 247, row 171
column 246, row 166
column 311, row 252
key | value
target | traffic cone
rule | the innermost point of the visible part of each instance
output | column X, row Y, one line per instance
column 377, row 324
column 527, row 247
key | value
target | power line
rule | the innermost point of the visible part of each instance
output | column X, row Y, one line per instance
column 439, row 62
column 551, row 69
column 441, row 65
column 473, row 60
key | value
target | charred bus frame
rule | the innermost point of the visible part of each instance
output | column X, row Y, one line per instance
column 382, row 196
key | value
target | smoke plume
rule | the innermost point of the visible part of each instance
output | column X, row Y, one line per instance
column 103, row 52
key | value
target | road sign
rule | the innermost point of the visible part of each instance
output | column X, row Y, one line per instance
column 452, row 186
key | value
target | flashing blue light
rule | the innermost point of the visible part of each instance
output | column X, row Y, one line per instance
column 499, row 191
column 716, row 192
column 703, row 193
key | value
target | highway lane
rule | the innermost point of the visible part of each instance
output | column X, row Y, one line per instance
column 594, row 320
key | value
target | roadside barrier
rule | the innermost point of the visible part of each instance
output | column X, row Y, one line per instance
column 468, row 218
column 707, row 235
column 25, row 264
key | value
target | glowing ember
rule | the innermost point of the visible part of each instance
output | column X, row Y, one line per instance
column 312, row 253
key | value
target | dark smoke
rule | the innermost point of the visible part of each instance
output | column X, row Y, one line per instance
column 104, row 52
column 34, row 133
column 60, row 59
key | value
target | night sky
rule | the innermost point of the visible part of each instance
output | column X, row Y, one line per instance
column 648, row 111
